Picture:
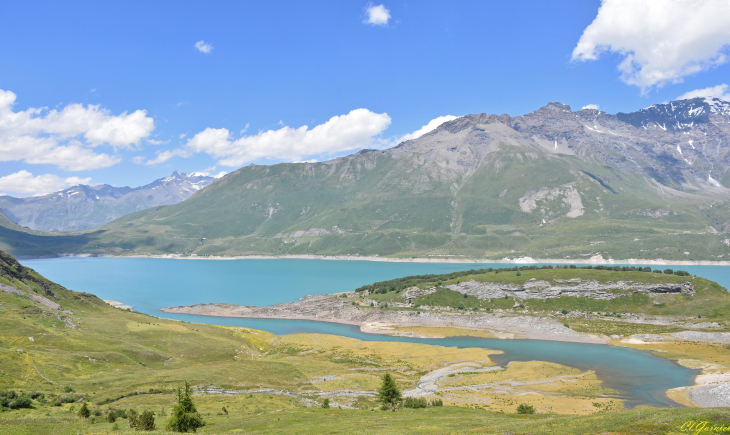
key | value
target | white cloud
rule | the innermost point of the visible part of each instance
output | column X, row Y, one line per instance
column 431, row 126
column 377, row 15
column 181, row 136
column 590, row 107
column 354, row 130
column 164, row 156
column 66, row 137
column 661, row 41
column 203, row 47
column 24, row 182
column 719, row 91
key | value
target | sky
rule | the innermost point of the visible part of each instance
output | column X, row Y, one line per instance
column 125, row 92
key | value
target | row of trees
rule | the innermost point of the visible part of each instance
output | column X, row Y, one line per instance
column 399, row 284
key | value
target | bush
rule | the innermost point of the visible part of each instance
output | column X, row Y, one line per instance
column 110, row 418
column 525, row 409
column 68, row 389
column 146, row 421
column 184, row 418
column 132, row 418
column 437, row 402
column 415, row 402
column 84, row 411
column 668, row 271
column 326, row 404
column 23, row 401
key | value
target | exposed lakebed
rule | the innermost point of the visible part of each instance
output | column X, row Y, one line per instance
column 149, row 284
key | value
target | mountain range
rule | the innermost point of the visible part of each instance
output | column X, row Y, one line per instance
column 84, row 207
column 554, row 183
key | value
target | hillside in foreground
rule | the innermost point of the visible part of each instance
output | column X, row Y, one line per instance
column 554, row 183
column 72, row 347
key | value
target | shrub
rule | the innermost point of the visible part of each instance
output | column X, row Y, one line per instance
column 525, row 409
column 110, row 418
column 132, row 418
column 415, row 402
column 185, row 417
column 564, row 311
column 668, row 271
column 326, row 404
column 22, row 401
column 84, row 411
column 437, row 402
column 146, row 421
column 68, row 389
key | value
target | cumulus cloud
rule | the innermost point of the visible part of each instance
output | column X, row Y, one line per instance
column 24, row 182
column 431, row 126
column 203, row 47
column 376, row 15
column 354, row 130
column 660, row 41
column 66, row 137
column 719, row 91
column 590, row 107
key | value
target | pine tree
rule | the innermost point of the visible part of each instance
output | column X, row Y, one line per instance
column 146, row 421
column 84, row 411
column 184, row 417
column 389, row 394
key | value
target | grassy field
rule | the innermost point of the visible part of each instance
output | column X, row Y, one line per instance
column 115, row 359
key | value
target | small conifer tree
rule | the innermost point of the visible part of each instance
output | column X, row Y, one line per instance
column 388, row 393
column 326, row 404
column 110, row 418
column 146, row 421
column 184, row 417
column 84, row 411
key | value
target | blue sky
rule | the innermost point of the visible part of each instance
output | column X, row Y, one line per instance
column 274, row 67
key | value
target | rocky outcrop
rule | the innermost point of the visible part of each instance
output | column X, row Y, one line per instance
column 577, row 287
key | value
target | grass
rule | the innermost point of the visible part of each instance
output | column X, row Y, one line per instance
column 277, row 415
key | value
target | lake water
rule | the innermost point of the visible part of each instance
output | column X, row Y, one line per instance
column 149, row 284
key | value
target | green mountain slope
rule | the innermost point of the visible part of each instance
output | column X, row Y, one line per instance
column 550, row 184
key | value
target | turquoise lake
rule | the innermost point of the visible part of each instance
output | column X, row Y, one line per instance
column 149, row 284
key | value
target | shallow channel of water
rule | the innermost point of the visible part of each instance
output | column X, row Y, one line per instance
column 149, row 284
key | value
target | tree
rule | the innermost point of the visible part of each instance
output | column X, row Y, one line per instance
column 326, row 404
column 132, row 417
column 146, row 421
column 84, row 411
column 184, row 417
column 110, row 418
column 388, row 393
column 525, row 409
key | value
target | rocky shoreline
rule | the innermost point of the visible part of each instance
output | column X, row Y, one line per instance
column 457, row 259
column 333, row 308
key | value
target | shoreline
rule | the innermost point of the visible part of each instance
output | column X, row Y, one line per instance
column 384, row 328
column 596, row 259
